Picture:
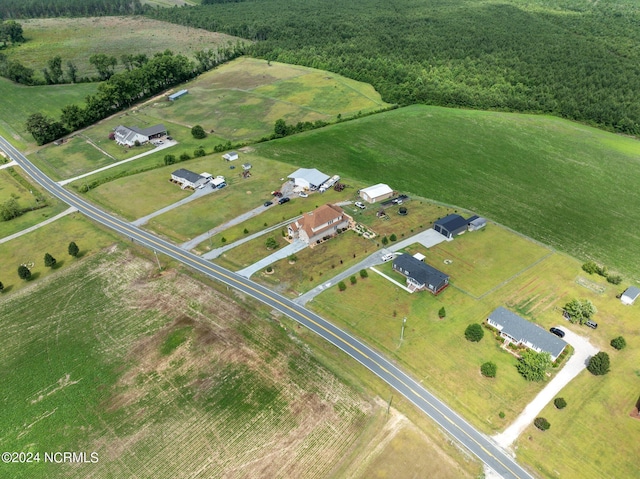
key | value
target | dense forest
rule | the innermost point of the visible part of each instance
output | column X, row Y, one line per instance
column 577, row 59
column 67, row 8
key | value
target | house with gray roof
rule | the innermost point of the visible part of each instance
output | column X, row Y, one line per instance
column 420, row 276
column 188, row 179
column 525, row 333
column 127, row 136
column 308, row 178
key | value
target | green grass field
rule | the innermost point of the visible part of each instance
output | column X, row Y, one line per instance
column 18, row 102
column 76, row 39
column 567, row 185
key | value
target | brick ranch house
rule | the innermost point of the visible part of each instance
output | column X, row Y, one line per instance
column 319, row 223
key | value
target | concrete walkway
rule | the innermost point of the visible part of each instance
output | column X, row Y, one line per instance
column 583, row 351
column 167, row 144
column 39, row 225
column 214, row 253
column 198, row 193
column 279, row 254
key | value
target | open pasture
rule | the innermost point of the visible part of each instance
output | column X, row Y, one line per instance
column 164, row 377
column 19, row 101
column 76, row 39
column 541, row 176
column 242, row 99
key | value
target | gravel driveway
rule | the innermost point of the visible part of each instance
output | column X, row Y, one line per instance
column 583, row 350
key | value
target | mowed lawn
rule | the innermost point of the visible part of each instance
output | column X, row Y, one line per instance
column 161, row 376
column 436, row 351
column 572, row 187
column 54, row 239
column 22, row 190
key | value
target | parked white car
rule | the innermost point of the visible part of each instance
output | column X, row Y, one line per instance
column 303, row 194
column 360, row 205
column 388, row 257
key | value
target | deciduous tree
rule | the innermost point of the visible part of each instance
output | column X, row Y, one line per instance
column 599, row 364
column 198, row 132
column 533, row 365
column 474, row 332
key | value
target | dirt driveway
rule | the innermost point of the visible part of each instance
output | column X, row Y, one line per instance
column 583, row 350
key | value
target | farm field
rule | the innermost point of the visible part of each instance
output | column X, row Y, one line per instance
column 161, row 376
column 19, row 101
column 437, row 352
column 535, row 174
column 15, row 184
column 76, row 39
column 241, row 100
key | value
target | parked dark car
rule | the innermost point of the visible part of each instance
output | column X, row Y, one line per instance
column 557, row 332
column 282, row 201
column 592, row 324
column 267, row 203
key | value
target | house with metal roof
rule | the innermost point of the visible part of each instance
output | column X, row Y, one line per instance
column 188, row 179
column 308, row 178
column 476, row 222
column 630, row 295
column 450, row 225
column 525, row 333
column 420, row 276
column 127, row 136
column 231, row 156
column 375, row 193
column 319, row 223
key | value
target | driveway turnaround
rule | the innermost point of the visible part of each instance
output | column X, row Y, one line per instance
column 583, row 350
column 427, row 238
column 414, row 391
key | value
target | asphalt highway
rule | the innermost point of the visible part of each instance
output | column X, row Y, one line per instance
column 477, row 443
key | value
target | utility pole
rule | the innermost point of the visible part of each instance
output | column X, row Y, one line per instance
column 404, row 321
column 158, row 260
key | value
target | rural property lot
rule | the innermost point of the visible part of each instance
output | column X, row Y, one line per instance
column 164, row 377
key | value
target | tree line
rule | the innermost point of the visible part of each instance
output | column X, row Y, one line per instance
column 142, row 78
column 510, row 56
column 68, row 8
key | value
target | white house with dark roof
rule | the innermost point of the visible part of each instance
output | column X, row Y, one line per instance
column 188, row 179
column 376, row 193
column 630, row 295
column 420, row 276
column 319, row 223
column 525, row 333
column 127, row 136
column 308, row 178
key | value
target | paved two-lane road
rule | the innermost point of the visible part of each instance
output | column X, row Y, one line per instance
column 479, row 444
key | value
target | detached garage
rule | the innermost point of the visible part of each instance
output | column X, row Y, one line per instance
column 376, row 193
column 450, row 225
column 630, row 295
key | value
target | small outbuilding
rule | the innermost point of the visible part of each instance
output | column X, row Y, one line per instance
column 188, row 179
column 476, row 222
column 376, row 193
column 450, row 225
column 630, row 295
column 178, row 94
column 231, row 156
column 308, row 178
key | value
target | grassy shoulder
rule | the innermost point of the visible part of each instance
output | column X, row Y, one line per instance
column 541, row 176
